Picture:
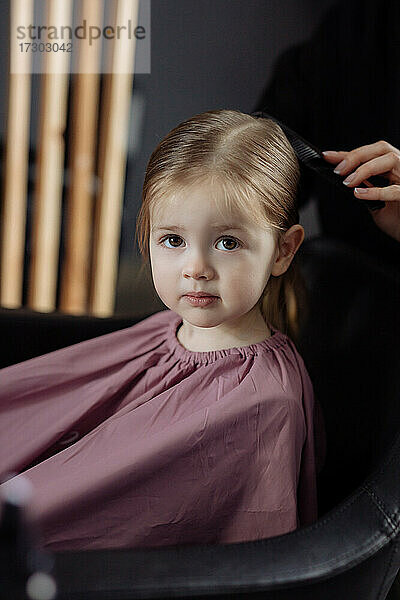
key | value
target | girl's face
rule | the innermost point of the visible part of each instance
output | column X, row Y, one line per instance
column 195, row 248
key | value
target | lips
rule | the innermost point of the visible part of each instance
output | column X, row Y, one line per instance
column 200, row 295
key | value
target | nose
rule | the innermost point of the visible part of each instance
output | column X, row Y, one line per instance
column 197, row 267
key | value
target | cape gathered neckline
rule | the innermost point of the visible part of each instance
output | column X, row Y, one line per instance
column 276, row 340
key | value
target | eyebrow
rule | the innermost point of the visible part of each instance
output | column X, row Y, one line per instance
column 217, row 227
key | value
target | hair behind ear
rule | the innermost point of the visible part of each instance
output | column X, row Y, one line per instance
column 285, row 301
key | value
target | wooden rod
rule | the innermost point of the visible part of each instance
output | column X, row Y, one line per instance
column 50, row 169
column 16, row 163
column 85, row 101
column 113, row 147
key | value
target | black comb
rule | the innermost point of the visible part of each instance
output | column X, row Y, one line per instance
column 312, row 158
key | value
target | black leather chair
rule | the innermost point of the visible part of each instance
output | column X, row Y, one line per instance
column 350, row 343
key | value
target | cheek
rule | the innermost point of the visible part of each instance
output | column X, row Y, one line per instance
column 251, row 277
column 239, row 280
column 163, row 262
column 162, row 269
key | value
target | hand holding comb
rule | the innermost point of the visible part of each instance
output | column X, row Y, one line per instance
column 312, row 158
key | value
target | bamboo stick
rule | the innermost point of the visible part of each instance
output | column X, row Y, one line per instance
column 16, row 163
column 113, row 145
column 76, row 266
column 50, row 169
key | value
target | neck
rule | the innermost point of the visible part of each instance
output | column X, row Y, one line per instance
column 243, row 331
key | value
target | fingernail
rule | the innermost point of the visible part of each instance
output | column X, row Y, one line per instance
column 361, row 190
column 341, row 166
column 329, row 152
column 349, row 179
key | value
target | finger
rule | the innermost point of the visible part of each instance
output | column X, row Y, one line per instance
column 363, row 154
column 334, row 156
column 391, row 193
column 376, row 166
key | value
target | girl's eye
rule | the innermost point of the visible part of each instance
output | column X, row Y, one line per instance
column 228, row 241
column 171, row 237
column 176, row 239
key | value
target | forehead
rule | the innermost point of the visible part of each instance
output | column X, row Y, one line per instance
column 197, row 204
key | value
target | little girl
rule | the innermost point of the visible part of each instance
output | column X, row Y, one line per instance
column 196, row 425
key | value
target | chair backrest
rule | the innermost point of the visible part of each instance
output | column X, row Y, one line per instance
column 26, row 333
column 350, row 345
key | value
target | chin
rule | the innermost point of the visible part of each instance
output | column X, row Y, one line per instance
column 204, row 321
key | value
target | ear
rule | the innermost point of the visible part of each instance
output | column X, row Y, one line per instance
column 288, row 245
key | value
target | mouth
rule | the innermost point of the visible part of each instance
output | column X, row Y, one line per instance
column 200, row 300
column 200, row 295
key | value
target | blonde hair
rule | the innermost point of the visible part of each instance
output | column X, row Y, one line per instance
column 253, row 163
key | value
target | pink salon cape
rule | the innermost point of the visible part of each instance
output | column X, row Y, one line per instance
column 131, row 440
